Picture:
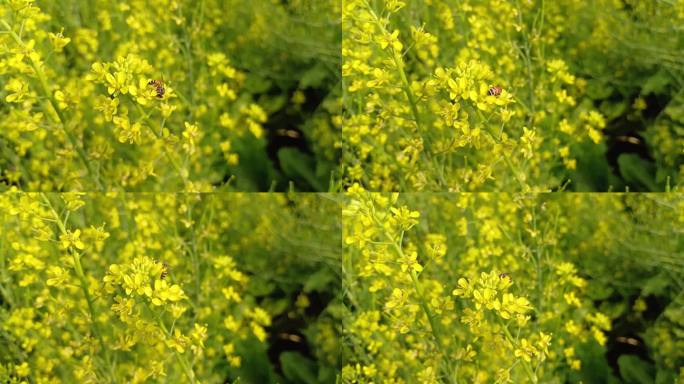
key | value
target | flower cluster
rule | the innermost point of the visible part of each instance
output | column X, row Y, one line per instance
column 143, row 277
column 124, row 97
column 494, row 95
column 490, row 292
column 494, row 287
column 162, row 287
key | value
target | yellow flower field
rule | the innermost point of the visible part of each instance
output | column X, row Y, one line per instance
column 169, row 95
column 513, row 95
column 342, row 191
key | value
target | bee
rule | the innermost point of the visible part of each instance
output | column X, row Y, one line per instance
column 505, row 275
column 629, row 139
column 164, row 271
column 494, row 91
column 158, row 86
column 292, row 134
column 628, row 340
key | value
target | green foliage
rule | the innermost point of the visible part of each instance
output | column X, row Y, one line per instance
column 635, row 371
column 548, row 288
column 167, row 288
column 588, row 95
column 204, row 96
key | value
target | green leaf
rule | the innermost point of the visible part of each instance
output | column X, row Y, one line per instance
column 656, row 83
column 637, row 172
column 320, row 280
column 665, row 377
column 614, row 310
column 600, row 292
column 258, row 84
column 255, row 367
column 261, row 286
column 595, row 368
column 327, row 374
column 636, row 371
column 675, row 313
column 613, row 110
column 656, row 285
column 676, row 112
column 297, row 368
column 593, row 172
column 276, row 307
column 599, row 90
column 314, row 76
column 299, row 165
column 274, row 104
column 256, row 171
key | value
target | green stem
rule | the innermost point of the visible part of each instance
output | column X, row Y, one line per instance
column 526, row 365
column 84, row 287
column 406, row 87
column 399, row 63
column 526, row 53
column 423, row 304
column 505, row 157
column 6, row 292
column 164, row 149
column 195, row 260
column 182, row 361
column 538, row 267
